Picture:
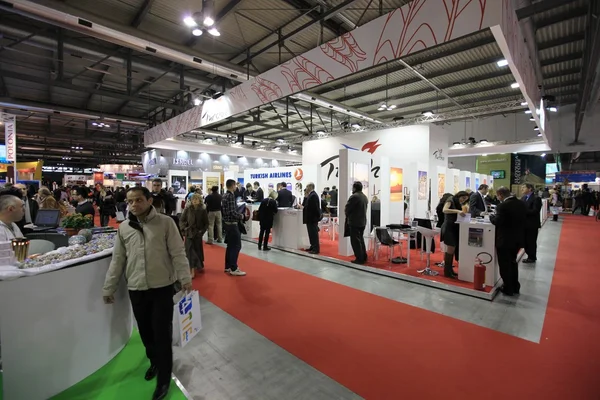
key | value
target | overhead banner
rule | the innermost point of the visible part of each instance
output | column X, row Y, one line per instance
column 10, row 138
column 576, row 176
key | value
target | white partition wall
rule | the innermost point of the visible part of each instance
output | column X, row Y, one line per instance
column 353, row 166
column 229, row 175
column 417, row 182
column 477, row 180
column 392, row 188
column 384, row 195
column 465, row 180
column 452, row 180
column 438, row 186
column 210, row 179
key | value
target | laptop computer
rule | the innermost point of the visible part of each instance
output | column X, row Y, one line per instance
column 46, row 219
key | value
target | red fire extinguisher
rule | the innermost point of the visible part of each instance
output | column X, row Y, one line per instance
column 479, row 271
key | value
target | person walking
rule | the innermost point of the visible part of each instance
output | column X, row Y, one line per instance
column 215, row 217
column 532, row 223
column 193, row 224
column 107, row 206
column 510, row 222
column 311, row 215
column 356, row 221
column 233, row 237
column 266, row 216
column 150, row 254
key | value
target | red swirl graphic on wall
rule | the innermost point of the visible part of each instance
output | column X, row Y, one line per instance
column 416, row 33
column 345, row 50
column 302, row 74
column 266, row 91
column 237, row 93
column 371, row 147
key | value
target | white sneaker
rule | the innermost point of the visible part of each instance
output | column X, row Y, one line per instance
column 227, row 270
column 237, row 272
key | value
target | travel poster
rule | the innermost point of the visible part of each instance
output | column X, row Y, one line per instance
column 179, row 183
column 468, row 182
column 441, row 185
column 476, row 237
column 476, row 183
column 456, row 184
column 360, row 173
column 422, row 185
column 210, row 182
column 396, row 180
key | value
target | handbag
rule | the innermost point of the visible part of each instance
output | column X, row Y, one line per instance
column 120, row 215
column 187, row 320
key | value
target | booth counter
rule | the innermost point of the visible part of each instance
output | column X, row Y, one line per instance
column 288, row 230
column 478, row 237
column 55, row 329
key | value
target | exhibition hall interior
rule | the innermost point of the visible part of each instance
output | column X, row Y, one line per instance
column 299, row 199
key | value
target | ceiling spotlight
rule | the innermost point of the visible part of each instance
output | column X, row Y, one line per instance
column 197, row 102
column 514, row 85
column 536, row 129
column 208, row 21
column 427, row 113
column 502, row 63
column 190, row 21
column 483, row 141
column 456, row 144
column 539, row 134
column 95, row 123
column 543, row 155
column 214, row 32
column 355, row 125
column 197, row 32
column 532, row 119
column 552, row 109
column 484, row 155
column 527, row 111
column 524, row 103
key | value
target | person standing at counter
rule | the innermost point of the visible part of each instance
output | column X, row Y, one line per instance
column 149, row 253
column 249, row 193
column 240, row 191
column 477, row 201
column 285, row 198
column 215, row 217
column 84, row 205
column 266, row 215
column 451, row 230
column 12, row 210
column 510, row 222
column 311, row 215
column 193, row 225
column 233, row 236
column 259, row 195
column 356, row 221
column 533, row 223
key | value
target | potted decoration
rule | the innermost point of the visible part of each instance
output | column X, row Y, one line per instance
column 73, row 223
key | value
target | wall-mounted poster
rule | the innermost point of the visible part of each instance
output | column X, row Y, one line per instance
column 210, row 182
column 179, row 183
column 360, row 173
column 456, row 184
column 422, row 185
column 441, row 185
column 396, row 180
column 476, row 183
column 468, row 182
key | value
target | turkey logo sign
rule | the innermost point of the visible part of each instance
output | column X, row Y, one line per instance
column 298, row 174
column 369, row 147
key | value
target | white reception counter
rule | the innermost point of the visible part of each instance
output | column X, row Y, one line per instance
column 475, row 238
column 288, row 230
column 55, row 329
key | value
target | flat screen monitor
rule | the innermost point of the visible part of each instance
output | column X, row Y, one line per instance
column 497, row 174
column 47, row 218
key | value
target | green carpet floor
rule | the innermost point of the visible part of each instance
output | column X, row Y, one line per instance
column 122, row 378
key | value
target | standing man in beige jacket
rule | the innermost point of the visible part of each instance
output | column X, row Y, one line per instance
column 149, row 253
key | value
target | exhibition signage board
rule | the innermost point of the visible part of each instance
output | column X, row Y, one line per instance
column 500, row 164
column 406, row 30
column 576, row 176
column 10, row 138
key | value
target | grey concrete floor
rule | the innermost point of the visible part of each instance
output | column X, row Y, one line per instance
column 229, row 360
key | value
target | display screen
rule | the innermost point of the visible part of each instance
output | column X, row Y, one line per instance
column 47, row 218
column 3, row 155
column 497, row 174
column 551, row 168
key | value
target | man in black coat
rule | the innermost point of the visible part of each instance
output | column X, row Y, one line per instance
column 285, row 198
column 477, row 201
column 333, row 203
column 510, row 237
column 311, row 215
column 259, row 195
column 356, row 221
column 532, row 223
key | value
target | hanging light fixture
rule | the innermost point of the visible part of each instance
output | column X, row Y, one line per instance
column 203, row 21
column 385, row 106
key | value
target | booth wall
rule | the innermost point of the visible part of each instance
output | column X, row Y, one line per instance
column 495, row 162
column 302, row 174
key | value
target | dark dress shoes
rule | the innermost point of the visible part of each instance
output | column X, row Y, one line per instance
column 313, row 252
column 267, row 248
column 161, row 392
column 151, row 373
column 529, row 261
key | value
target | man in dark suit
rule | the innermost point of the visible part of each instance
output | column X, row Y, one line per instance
column 259, row 195
column 477, row 201
column 532, row 223
column 510, row 237
column 333, row 202
column 356, row 221
column 311, row 215
column 285, row 198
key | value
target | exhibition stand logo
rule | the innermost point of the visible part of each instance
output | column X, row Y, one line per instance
column 439, row 154
column 369, row 147
column 298, row 174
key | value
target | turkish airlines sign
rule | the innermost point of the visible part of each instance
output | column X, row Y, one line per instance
column 10, row 139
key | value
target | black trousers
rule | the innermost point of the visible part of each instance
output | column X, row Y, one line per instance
column 153, row 311
column 104, row 219
column 358, row 243
column 233, row 238
column 313, row 236
column 263, row 237
column 509, row 268
column 531, row 235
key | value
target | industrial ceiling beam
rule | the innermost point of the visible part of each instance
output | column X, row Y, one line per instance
column 541, row 7
column 555, row 19
column 142, row 12
column 303, row 5
column 576, row 37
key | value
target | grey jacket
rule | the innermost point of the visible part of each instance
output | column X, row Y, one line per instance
column 153, row 258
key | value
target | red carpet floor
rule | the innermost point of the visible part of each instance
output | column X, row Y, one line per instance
column 382, row 349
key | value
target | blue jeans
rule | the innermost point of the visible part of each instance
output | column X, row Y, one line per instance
column 233, row 238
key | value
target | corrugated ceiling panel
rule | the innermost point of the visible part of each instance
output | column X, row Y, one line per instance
column 556, row 68
column 121, row 12
column 563, row 50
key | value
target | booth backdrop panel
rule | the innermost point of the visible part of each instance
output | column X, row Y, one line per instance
column 56, row 329
column 496, row 162
column 417, row 181
column 297, row 177
column 210, row 179
column 178, row 179
column 465, row 180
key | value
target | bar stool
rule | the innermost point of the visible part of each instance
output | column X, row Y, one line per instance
column 427, row 235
